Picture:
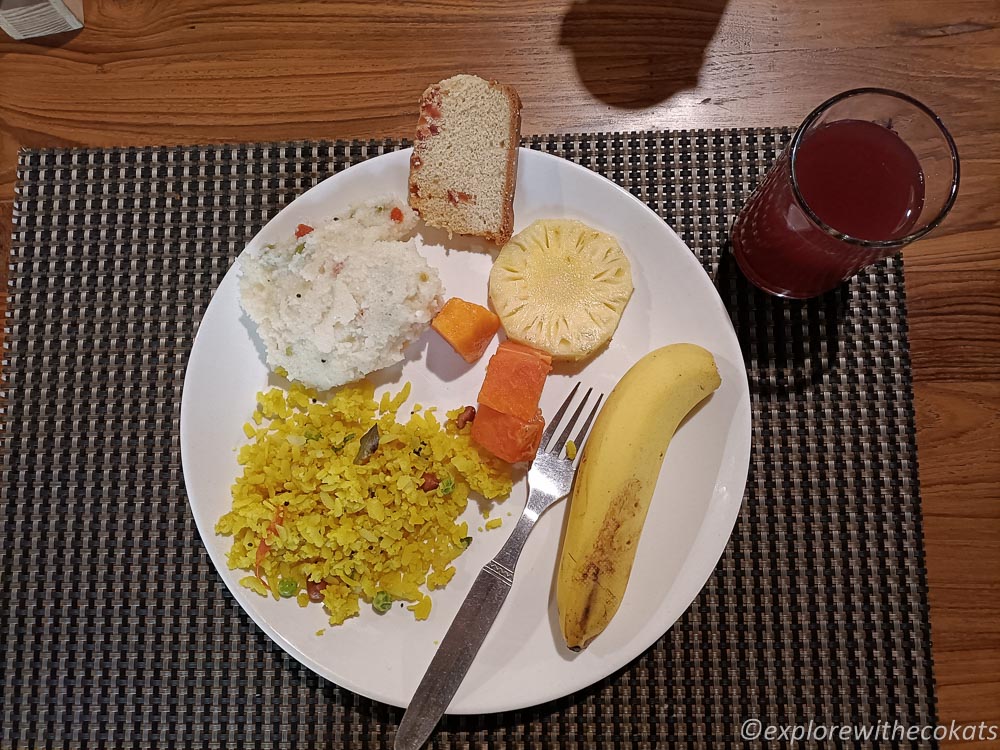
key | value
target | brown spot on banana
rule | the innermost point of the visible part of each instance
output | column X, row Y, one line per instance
column 610, row 550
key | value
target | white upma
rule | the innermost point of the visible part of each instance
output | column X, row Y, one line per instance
column 336, row 302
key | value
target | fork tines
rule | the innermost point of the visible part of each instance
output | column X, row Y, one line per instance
column 557, row 446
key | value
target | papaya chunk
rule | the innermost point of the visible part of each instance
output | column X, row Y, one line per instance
column 514, row 346
column 467, row 327
column 514, row 380
column 506, row 436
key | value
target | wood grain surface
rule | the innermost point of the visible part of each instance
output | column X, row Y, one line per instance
column 194, row 71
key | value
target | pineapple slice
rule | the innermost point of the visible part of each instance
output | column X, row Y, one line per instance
column 561, row 286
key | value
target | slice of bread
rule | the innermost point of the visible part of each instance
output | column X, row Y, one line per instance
column 464, row 163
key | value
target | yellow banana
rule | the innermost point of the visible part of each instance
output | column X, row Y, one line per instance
column 614, row 482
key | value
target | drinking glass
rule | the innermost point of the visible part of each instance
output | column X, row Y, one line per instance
column 868, row 171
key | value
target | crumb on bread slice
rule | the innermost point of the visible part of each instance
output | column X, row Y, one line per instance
column 464, row 163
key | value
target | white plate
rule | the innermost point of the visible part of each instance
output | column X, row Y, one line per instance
column 523, row 661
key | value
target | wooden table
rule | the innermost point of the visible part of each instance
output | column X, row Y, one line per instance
column 196, row 71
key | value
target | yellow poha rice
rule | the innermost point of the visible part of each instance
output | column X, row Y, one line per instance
column 303, row 511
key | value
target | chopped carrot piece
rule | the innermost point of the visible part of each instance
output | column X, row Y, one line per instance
column 302, row 230
column 507, row 437
column 467, row 327
column 514, row 380
column 262, row 550
column 396, row 215
column 264, row 547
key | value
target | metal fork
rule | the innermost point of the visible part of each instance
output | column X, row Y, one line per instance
column 549, row 480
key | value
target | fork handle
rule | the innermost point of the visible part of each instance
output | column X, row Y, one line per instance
column 462, row 641
column 454, row 657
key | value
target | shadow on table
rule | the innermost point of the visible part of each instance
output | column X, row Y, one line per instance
column 387, row 717
column 52, row 41
column 539, row 714
column 471, row 725
column 788, row 345
column 637, row 53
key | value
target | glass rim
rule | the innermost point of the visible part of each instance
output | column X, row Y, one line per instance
column 897, row 242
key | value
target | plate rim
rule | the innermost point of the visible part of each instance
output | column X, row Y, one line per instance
column 346, row 682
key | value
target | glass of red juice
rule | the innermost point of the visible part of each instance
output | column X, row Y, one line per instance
column 866, row 173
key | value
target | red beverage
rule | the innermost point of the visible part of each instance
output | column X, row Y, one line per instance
column 855, row 178
column 860, row 178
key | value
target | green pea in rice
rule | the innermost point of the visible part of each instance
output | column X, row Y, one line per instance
column 304, row 511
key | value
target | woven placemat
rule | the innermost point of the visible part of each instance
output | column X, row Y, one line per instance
column 117, row 631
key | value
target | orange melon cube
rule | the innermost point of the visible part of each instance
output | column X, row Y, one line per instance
column 514, row 380
column 467, row 327
column 507, row 437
